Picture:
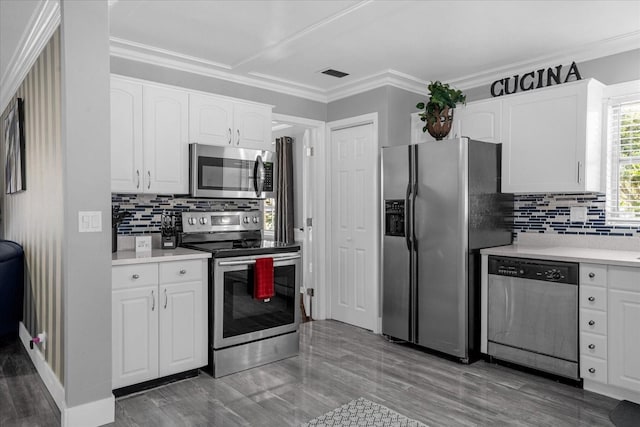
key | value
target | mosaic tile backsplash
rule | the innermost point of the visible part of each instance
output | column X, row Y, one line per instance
column 550, row 213
column 147, row 210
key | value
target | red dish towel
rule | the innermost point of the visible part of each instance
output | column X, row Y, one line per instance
column 263, row 279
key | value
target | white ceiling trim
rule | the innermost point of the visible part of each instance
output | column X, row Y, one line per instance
column 41, row 26
column 318, row 25
column 587, row 52
column 138, row 52
column 164, row 58
column 384, row 78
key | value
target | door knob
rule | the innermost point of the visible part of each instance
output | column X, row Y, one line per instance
column 591, row 323
column 591, row 299
column 592, row 370
column 592, row 346
column 592, row 275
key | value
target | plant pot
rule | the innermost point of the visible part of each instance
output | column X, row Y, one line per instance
column 439, row 123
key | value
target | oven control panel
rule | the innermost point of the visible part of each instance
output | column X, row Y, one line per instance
column 210, row 222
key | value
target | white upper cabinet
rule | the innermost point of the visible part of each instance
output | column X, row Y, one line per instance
column 126, row 136
column 210, row 120
column 220, row 121
column 552, row 139
column 152, row 126
column 479, row 120
column 165, row 136
column 253, row 126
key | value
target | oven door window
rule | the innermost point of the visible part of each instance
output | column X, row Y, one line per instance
column 243, row 314
column 216, row 173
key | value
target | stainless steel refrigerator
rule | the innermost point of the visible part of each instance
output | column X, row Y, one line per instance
column 442, row 204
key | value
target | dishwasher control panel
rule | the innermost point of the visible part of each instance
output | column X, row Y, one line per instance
column 533, row 269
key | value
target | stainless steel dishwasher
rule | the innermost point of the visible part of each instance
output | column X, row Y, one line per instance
column 533, row 314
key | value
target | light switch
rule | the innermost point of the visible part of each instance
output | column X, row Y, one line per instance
column 89, row 221
column 578, row 214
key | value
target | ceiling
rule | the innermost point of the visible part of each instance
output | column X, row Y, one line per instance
column 288, row 43
column 283, row 45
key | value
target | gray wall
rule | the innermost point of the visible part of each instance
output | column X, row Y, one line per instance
column 612, row 69
column 34, row 218
column 394, row 107
column 284, row 104
column 85, row 147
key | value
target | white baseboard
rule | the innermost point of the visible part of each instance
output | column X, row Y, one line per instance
column 95, row 413
column 53, row 384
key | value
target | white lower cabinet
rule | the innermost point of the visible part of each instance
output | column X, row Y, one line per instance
column 609, row 331
column 134, row 336
column 158, row 320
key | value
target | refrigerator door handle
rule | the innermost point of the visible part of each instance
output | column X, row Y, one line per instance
column 407, row 218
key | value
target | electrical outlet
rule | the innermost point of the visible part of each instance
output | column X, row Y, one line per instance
column 578, row 214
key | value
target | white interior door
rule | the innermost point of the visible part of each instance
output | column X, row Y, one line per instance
column 354, row 260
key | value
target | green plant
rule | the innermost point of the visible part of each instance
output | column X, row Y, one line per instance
column 441, row 99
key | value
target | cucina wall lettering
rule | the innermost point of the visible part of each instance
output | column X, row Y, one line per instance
column 534, row 80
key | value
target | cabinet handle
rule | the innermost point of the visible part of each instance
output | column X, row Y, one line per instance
column 591, row 299
column 153, row 301
column 183, row 271
column 149, row 184
column 136, row 276
column 138, row 174
column 592, row 275
column 591, row 322
column 592, row 346
column 592, row 370
column 238, row 142
column 579, row 177
column 229, row 135
column 166, row 298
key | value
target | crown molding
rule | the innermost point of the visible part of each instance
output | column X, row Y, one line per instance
column 164, row 58
column 385, row 78
column 142, row 53
column 43, row 23
column 586, row 52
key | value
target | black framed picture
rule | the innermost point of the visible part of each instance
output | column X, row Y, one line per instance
column 15, row 170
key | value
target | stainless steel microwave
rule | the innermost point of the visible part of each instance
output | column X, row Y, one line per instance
column 229, row 172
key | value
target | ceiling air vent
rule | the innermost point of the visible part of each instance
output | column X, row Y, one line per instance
column 335, row 73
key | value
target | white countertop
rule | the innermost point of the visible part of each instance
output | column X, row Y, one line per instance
column 567, row 253
column 156, row 255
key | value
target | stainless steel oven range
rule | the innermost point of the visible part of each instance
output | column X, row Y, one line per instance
column 245, row 332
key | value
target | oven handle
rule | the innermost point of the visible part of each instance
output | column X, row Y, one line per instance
column 253, row 261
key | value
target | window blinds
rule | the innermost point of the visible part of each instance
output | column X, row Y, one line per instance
column 623, row 169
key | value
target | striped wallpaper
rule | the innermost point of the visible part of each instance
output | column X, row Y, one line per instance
column 34, row 218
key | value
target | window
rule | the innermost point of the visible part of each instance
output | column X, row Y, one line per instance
column 269, row 215
column 623, row 169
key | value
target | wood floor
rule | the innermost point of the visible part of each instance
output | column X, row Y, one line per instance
column 339, row 363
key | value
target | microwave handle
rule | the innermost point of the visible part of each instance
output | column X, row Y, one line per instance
column 258, row 176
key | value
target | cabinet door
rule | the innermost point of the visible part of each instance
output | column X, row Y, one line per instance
column 478, row 120
column 544, row 135
column 181, row 327
column 165, row 126
column 134, row 338
column 126, row 136
column 624, row 339
column 210, row 120
column 252, row 126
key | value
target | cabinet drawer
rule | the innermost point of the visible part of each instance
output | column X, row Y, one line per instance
column 128, row 276
column 624, row 278
column 593, row 321
column 593, row 297
column 593, row 274
column 180, row 271
column 593, row 345
column 593, row 369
